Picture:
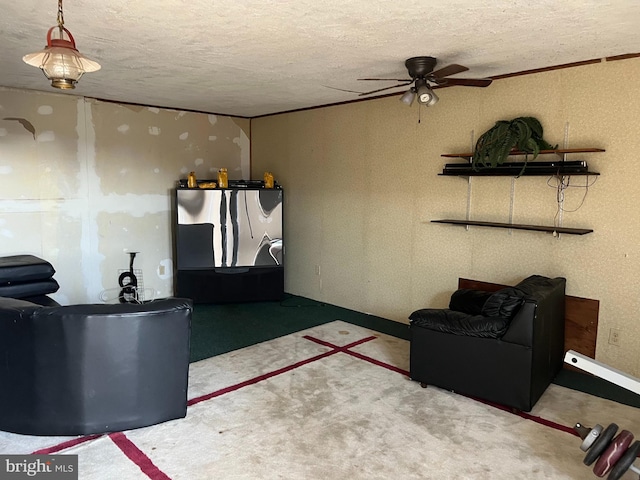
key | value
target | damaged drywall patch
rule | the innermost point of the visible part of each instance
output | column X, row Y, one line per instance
column 213, row 138
column 213, row 119
column 90, row 233
column 198, row 162
column 124, row 128
column 47, row 136
column 244, row 143
column 242, row 124
column 184, row 136
column 154, row 109
column 45, row 109
column 154, row 130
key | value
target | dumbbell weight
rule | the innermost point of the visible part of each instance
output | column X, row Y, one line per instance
column 614, row 455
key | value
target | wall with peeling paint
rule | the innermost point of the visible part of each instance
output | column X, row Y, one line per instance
column 84, row 182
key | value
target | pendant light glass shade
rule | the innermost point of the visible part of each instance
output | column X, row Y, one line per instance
column 60, row 60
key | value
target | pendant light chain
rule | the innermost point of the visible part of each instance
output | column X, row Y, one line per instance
column 60, row 15
column 60, row 19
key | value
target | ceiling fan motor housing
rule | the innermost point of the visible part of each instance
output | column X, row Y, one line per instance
column 420, row 66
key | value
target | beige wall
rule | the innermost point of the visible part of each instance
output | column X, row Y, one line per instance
column 83, row 182
column 362, row 185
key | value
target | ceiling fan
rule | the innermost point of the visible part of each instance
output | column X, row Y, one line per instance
column 423, row 77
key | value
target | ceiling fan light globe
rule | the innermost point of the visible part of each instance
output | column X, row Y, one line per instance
column 427, row 97
column 433, row 101
column 408, row 97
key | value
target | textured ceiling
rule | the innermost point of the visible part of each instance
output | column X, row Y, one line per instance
column 249, row 58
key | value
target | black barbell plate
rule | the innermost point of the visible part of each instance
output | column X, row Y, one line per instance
column 600, row 444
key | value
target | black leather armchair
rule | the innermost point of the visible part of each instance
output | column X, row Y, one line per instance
column 81, row 369
column 505, row 347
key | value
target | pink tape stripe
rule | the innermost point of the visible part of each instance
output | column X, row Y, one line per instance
column 528, row 416
column 265, row 376
column 257, row 379
column 137, row 456
column 346, row 350
column 337, row 347
column 65, row 445
column 533, row 418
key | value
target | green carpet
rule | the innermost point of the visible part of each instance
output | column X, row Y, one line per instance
column 221, row 328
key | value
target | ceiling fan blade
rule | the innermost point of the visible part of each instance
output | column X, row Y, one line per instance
column 467, row 82
column 448, row 70
column 386, row 79
column 385, row 88
column 341, row 89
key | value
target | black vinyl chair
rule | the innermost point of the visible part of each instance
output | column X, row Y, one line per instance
column 505, row 347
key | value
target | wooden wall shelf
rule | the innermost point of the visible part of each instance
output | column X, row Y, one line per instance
column 492, row 172
column 517, row 226
column 557, row 151
column 561, row 168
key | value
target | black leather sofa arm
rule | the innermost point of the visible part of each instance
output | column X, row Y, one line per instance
column 82, row 369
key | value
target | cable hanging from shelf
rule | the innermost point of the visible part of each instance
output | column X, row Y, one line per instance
column 563, row 182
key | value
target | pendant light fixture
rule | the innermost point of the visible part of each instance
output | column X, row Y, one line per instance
column 60, row 60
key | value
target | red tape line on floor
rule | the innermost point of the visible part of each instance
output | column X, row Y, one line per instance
column 137, row 456
column 533, row 418
column 65, row 445
column 145, row 464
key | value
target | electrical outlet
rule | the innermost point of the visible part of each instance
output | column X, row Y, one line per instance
column 614, row 336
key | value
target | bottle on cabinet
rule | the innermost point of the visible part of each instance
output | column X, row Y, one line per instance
column 268, row 180
column 191, row 180
column 223, row 178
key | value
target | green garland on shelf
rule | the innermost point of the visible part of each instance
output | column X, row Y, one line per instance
column 496, row 144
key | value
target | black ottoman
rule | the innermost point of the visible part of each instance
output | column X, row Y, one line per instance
column 23, row 276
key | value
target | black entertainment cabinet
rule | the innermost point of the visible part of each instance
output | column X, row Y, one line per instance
column 229, row 244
